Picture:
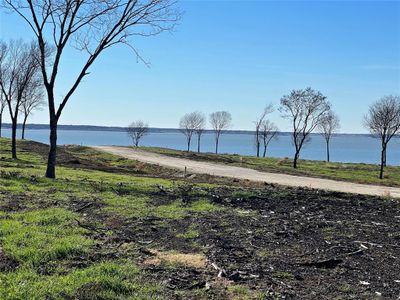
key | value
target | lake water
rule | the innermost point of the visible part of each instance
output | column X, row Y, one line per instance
column 344, row 148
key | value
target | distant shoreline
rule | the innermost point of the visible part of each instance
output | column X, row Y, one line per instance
column 151, row 130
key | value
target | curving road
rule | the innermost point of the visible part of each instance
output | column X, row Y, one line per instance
column 245, row 173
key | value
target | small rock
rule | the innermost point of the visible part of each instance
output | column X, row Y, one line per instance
column 364, row 282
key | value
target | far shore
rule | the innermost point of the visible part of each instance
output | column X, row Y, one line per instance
column 151, row 129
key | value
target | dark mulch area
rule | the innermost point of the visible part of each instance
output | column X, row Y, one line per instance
column 7, row 264
column 292, row 243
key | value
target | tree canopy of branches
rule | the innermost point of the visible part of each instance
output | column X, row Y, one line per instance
column 329, row 125
column 136, row 130
column 19, row 69
column 192, row 123
column 258, row 124
column 305, row 109
column 32, row 100
column 268, row 132
column 91, row 26
column 383, row 121
column 219, row 121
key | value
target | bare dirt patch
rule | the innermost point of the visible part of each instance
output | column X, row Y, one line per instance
column 194, row 260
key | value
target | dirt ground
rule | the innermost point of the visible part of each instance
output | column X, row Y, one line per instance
column 299, row 244
column 282, row 243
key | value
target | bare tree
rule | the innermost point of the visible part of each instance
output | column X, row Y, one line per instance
column 329, row 125
column 200, row 127
column 268, row 132
column 383, row 121
column 305, row 109
column 32, row 100
column 136, row 130
column 258, row 124
column 190, row 124
column 18, row 69
column 220, row 121
column 91, row 27
column 3, row 104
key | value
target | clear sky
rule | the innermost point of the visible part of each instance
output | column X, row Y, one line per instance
column 238, row 56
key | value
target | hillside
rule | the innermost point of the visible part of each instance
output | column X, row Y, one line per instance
column 112, row 228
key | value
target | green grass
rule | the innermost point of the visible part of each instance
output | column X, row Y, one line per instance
column 36, row 237
column 353, row 172
column 48, row 241
column 104, row 280
column 283, row 275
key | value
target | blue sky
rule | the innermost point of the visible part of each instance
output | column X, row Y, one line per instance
column 238, row 56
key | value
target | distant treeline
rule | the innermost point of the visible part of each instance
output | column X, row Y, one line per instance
column 152, row 130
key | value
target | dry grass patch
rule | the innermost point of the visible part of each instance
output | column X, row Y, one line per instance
column 194, row 260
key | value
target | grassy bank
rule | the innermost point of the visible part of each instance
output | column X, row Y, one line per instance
column 112, row 228
column 353, row 172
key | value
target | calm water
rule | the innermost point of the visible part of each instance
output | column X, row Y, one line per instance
column 344, row 148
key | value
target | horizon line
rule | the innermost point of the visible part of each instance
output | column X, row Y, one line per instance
column 40, row 126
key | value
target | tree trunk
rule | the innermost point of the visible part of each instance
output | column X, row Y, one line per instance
column 216, row 145
column 23, row 127
column 1, row 122
column 198, row 143
column 51, row 161
column 327, row 152
column 265, row 150
column 258, row 149
column 383, row 154
column 384, row 158
column 14, row 138
column 296, row 157
column 188, row 144
column 257, row 143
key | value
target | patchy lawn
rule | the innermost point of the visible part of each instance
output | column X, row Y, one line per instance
column 111, row 228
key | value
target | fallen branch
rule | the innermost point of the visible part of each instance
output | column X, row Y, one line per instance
column 221, row 272
column 87, row 227
column 84, row 206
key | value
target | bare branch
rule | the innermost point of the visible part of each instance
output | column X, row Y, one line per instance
column 305, row 109
column 136, row 130
column 383, row 122
column 192, row 123
column 220, row 121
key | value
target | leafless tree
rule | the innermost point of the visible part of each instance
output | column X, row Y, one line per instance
column 18, row 69
column 305, row 109
column 220, row 121
column 136, row 130
column 200, row 127
column 330, row 124
column 189, row 124
column 269, row 131
column 91, row 26
column 33, row 99
column 3, row 104
column 383, row 121
column 258, row 124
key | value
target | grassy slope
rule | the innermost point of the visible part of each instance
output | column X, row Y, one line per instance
column 49, row 250
column 360, row 173
column 93, row 234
